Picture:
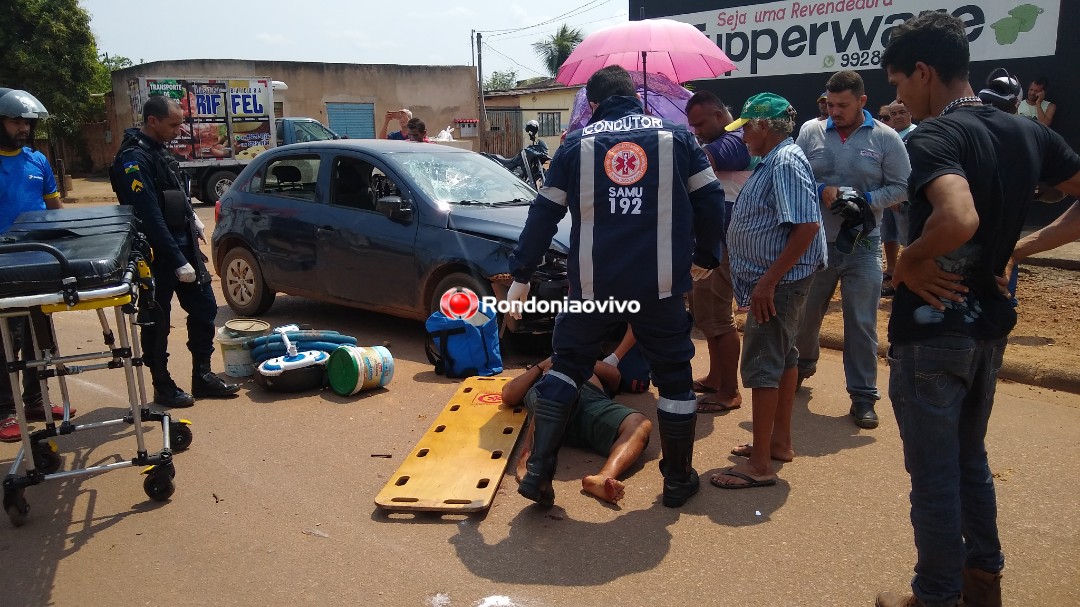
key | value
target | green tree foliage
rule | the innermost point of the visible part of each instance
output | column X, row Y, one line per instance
column 501, row 81
column 555, row 49
column 47, row 48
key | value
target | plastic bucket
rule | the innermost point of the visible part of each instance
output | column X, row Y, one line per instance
column 352, row 369
column 232, row 341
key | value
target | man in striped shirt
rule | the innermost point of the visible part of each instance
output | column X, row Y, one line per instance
column 775, row 244
column 647, row 213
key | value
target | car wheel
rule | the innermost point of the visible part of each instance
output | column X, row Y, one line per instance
column 217, row 184
column 242, row 283
column 459, row 279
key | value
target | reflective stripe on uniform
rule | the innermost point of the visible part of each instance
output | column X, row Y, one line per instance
column 666, row 167
column 678, row 407
column 554, row 195
column 587, row 209
column 701, row 179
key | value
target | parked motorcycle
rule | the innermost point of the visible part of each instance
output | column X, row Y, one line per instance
column 528, row 165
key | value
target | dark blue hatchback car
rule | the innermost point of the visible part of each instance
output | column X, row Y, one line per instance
column 386, row 226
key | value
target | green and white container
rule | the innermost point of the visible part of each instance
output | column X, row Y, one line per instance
column 352, row 369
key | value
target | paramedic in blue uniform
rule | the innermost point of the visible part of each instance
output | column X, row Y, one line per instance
column 647, row 214
column 146, row 177
column 26, row 184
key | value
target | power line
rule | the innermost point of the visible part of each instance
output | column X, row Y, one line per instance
column 511, row 60
column 572, row 12
column 573, row 25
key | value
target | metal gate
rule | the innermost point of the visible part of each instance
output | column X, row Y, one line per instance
column 354, row 120
column 505, row 129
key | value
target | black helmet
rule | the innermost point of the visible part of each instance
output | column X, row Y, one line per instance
column 532, row 127
column 15, row 103
column 1002, row 91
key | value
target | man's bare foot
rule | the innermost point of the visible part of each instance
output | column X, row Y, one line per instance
column 520, row 469
column 735, row 399
column 742, row 476
column 780, row 455
column 704, row 385
column 604, row 487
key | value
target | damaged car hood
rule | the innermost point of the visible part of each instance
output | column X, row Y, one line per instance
column 504, row 223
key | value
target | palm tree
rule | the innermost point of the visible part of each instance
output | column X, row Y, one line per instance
column 558, row 47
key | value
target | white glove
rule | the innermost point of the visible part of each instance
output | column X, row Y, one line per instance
column 519, row 291
column 186, row 273
column 612, row 360
column 699, row 273
column 201, row 228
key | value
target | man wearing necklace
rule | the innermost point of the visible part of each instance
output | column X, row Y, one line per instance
column 950, row 318
column 851, row 149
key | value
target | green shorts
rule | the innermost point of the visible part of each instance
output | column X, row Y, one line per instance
column 595, row 422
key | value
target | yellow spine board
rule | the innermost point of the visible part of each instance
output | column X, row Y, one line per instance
column 458, row 463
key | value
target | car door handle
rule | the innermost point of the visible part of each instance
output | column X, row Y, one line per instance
column 324, row 230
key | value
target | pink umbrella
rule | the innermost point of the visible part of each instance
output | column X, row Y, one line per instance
column 675, row 49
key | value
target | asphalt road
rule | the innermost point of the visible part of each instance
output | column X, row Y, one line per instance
column 274, row 503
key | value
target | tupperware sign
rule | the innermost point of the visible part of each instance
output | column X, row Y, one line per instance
column 792, row 37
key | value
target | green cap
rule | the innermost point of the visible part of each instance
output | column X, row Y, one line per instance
column 761, row 106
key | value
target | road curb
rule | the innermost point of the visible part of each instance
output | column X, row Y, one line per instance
column 1067, row 380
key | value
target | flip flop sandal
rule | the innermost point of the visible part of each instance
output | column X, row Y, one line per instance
column 747, row 449
column 700, row 387
column 750, row 483
column 708, row 404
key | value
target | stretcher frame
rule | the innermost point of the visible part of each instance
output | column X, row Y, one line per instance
column 37, row 455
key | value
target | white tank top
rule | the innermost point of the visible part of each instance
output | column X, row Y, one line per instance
column 1026, row 109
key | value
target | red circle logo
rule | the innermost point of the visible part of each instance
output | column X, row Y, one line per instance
column 626, row 163
column 459, row 302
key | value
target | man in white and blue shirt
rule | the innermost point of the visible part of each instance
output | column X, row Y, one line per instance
column 775, row 244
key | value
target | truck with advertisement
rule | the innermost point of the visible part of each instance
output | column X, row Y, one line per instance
column 227, row 122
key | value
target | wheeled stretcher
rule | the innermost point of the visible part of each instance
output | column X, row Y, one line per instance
column 78, row 260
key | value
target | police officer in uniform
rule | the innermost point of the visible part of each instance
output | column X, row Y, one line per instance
column 146, row 177
column 647, row 216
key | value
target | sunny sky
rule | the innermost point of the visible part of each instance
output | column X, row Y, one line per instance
column 417, row 32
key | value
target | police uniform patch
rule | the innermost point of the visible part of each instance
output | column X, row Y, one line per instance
column 131, row 167
column 136, row 185
column 626, row 163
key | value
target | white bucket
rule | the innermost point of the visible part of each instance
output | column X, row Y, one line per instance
column 232, row 341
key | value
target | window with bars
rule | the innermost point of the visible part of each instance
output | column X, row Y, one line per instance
column 550, row 123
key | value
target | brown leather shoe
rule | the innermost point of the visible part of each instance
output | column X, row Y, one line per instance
column 981, row 588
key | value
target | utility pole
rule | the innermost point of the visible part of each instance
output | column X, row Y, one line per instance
column 480, row 93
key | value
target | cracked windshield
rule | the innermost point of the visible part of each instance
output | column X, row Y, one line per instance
column 451, row 178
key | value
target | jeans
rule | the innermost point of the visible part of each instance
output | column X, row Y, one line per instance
column 859, row 275
column 22, row 344
column 942, row 391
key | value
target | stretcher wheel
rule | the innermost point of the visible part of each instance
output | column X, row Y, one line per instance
column 179, row 436
column 16, row 506
column 159, row 485
column 46, row 459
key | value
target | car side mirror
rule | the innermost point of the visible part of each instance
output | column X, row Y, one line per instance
column 394, row 207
